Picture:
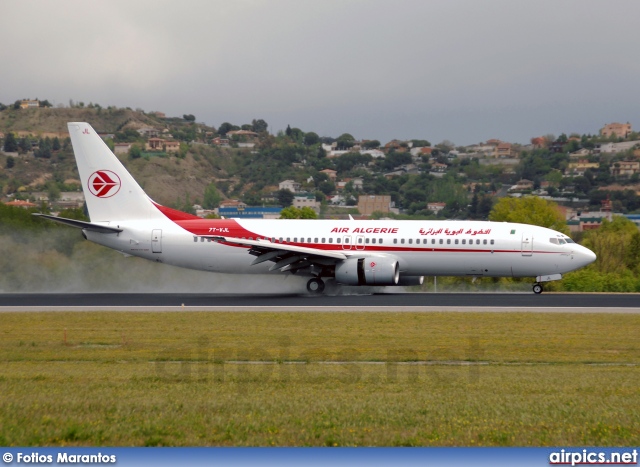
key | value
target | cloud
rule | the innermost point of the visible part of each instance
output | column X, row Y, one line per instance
column 465, row 69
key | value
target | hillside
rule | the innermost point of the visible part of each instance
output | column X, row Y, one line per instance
column 247, row 163
column 49, row 121
column 168, row 180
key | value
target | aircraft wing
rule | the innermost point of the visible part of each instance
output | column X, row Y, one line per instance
column 286, row 257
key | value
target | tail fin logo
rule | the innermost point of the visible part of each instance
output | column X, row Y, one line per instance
column 104, row 183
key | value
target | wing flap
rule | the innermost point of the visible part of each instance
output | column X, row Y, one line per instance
column 283, row 247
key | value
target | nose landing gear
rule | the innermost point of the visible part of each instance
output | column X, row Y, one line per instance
column 315, row 286
column 537, row 288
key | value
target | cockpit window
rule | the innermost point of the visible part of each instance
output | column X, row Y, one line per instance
column 562, row 242
column 568, row 240
column 554, row 240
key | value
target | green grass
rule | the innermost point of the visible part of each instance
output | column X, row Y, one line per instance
column 149, row 379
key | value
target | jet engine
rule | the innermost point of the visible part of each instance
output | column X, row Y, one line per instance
column 368, row 271
column 411, row 280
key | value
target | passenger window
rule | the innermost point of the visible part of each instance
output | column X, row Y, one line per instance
column 202, row 239
column 281, row 239
column 315, row 240
column 373, row 240
column 424, row 240
column 492, row 242
column 288, row 239
column 195, row 239
column 441, row 241
column 338, row 240
column 330, row 239
column 402, row 241
column 323, row 240
column 366, row 240
column 308, row 240
column 395, row 240
column 295, row 239
column 410, row 241
column 484, row 242
column 448, row 241
column 456, row 242
column 433, row 241
column 478, row 241
column 464, row 241
column 380, row 241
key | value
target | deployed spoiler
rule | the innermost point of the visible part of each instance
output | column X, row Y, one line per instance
column 80, row 224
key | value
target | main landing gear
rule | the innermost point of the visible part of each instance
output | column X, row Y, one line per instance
column 315, row 286
column 537, row 288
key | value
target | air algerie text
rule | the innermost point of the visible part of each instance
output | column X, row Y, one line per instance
column 376, row 230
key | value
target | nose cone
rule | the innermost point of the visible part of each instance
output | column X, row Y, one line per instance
column 584, row 256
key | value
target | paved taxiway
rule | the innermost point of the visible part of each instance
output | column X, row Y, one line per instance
column 488, row 302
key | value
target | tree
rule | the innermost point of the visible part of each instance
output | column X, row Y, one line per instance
column 616, row 244
column 420, row 143
column 529, row 210
column 11, row 161
column 298, row 213
column 259, row 125
column 327, row 187
column 53, row 191
column 189, row 118
column 224, row 128
column 212, row 197
column 135, row 152
column 284, row 197
column 345, row 140
column 372, row 144
column 10, row 143
column 311, row 138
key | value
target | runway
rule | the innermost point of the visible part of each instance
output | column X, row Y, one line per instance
column 485, row 302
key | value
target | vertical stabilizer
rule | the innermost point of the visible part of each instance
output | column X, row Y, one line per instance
column 109, row 189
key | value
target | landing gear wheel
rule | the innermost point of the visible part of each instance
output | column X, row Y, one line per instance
column 315, row 285
column 537, row 289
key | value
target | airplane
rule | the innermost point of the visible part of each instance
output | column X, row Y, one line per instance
column 348, row 252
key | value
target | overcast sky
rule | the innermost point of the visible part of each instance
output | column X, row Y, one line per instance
column 466, row 70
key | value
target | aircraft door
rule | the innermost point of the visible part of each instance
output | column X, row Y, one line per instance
column 360, row 242
column 527, row 244
column 156, row 240
column 346, row 242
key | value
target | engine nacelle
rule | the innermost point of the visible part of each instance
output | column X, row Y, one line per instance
column 368, row 271
column 411, row 280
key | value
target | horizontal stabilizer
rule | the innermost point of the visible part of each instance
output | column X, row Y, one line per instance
column 80, row 224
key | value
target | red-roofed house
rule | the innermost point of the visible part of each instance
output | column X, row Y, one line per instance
column 21, row 204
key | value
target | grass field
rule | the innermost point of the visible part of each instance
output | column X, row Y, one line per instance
column 319, row 379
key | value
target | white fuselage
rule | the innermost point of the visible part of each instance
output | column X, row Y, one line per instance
column 443, row 248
